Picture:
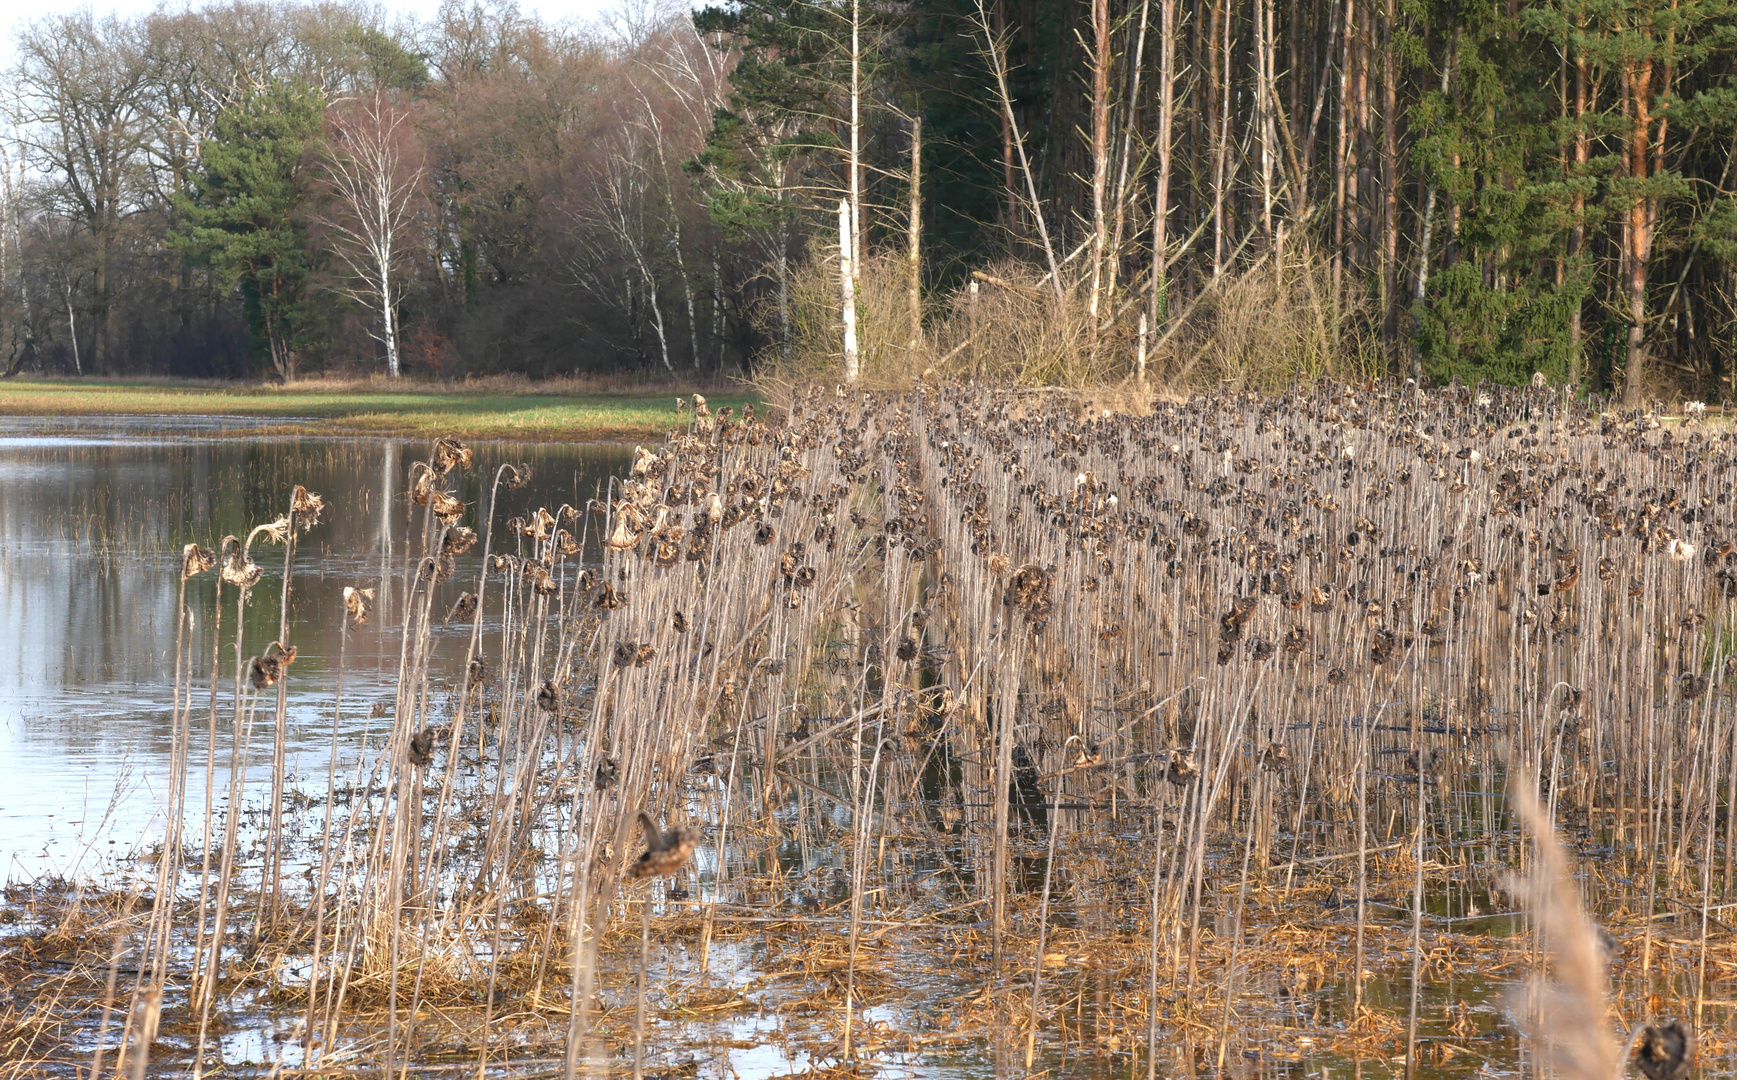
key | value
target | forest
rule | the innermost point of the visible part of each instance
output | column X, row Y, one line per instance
column 1075, row 192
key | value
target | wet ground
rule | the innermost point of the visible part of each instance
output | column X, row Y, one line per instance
column 744, row 977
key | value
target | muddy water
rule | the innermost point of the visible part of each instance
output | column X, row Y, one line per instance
column 93, row 515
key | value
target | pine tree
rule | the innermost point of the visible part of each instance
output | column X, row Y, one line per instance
column 243, row 217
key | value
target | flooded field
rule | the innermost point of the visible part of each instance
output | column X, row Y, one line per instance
column 1361, row 733
column 93, row 514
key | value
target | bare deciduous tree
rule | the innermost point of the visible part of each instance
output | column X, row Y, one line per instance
column 81, row 84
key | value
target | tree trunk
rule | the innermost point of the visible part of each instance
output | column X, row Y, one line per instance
column 1423, row 244
column 1263, row 111
column 1119, row 197
column 100, row 309
column 1389, row 185
column 847, row 288
column 1100, row 154
column 1009, row 184
column 1218, row 119
column 998, row 59
column 1342, row 154
column 855, row 129
column 781, row 265
column 1639, row 79
column 72, row 332
column 1577, row 234
column 389, row 322
column 914, row 256
column 1161, row 193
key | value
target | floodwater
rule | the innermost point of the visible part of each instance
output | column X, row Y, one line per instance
column 93, row 516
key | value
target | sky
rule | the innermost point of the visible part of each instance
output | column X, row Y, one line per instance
column 12, row 12
column 552, row 10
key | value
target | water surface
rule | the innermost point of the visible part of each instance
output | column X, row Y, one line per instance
column 93, row 515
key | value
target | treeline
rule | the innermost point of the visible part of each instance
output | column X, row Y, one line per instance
column 278, row 187
column 1263, row 189
column 1048, row 190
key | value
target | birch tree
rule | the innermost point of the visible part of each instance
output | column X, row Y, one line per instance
column 374, row 187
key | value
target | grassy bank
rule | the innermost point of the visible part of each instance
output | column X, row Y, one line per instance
column 543, row 412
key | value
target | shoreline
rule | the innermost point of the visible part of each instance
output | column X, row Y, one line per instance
column 492, row 410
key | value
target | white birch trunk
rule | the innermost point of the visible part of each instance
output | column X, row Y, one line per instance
column 847, row 288
column 855, row 128
column 914, row 256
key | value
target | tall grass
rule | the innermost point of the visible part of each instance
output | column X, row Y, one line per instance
column 1262, row 327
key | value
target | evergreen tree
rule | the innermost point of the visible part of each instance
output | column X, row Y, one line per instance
column 243, row 216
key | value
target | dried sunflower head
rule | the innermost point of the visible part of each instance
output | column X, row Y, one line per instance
column 195, row 560
column 307, row 508
column 549, row 696
column 621, row 537
column 463, row 609
column 446, row 507
column 449, row 454
column 276, row 532
column 421, row 483
column 238, row 569
column 457, row 540
column 357, row 603
column 421, row 752
column 542, row 582
column 264, row 671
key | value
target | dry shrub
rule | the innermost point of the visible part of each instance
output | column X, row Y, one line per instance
column 814, row 352
column 1264, row 327
column 1015, row 329
column 1014, row 332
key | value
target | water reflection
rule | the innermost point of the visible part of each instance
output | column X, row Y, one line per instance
column 93, row 515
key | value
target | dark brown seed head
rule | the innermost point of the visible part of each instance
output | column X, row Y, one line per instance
column 542, row 582
column 457, row 540
column 422, row 747
column 607, row 770
column 1181, row 768
column 665, row 851
column 549, row 696
column 463, row 609
column 446, row 506
column 1666, row 1052
column 264, row 671
column 449, row 454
